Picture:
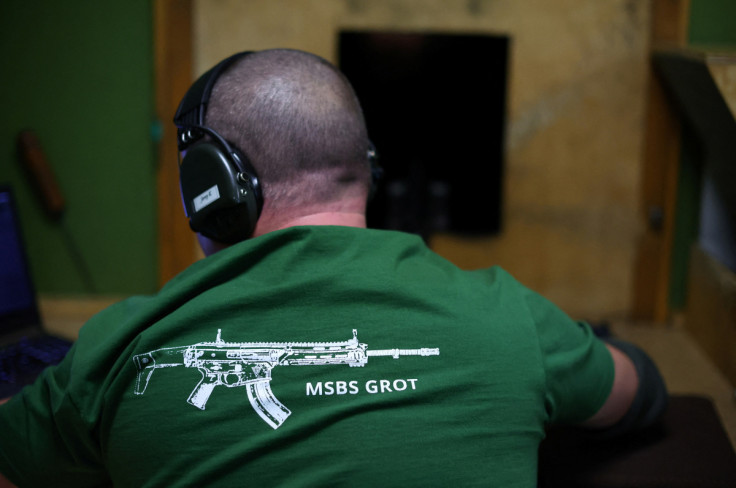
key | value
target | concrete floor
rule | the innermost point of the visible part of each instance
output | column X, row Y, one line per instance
column 685, row 367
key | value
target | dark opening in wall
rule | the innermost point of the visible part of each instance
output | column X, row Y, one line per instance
column 435, row 106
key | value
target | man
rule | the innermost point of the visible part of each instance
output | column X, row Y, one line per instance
column 306, row 349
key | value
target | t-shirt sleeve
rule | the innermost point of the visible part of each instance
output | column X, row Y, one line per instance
column 578, row 367
column 44, row 441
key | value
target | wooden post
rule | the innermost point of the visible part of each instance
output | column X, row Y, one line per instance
column 173, row 71
column 669, row 22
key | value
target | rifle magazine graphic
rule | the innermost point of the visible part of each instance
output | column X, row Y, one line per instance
column 249, row 365
column 272, row 411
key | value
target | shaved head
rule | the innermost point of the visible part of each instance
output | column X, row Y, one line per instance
column 297, row 119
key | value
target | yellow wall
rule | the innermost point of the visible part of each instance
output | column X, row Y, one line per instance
column 574, row 141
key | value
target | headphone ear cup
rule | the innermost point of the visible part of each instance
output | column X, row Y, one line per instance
column 219, row 201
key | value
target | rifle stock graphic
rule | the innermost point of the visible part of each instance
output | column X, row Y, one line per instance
column 249, row 364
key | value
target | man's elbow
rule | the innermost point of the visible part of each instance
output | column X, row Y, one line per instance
column 638, row 397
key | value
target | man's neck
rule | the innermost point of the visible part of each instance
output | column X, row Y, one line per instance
column 346, row 219
column 348, row 213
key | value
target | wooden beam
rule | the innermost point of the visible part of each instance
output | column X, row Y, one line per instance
column 659, row 192
column 173, row 70
column 669, row 21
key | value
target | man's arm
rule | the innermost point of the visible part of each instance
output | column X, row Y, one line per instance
column 638, row 396
column 625, row 384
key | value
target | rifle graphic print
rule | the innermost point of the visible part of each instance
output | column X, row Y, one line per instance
column 249, row 364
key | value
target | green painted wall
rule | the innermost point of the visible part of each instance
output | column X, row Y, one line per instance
column 80, row 74
column 712, row 22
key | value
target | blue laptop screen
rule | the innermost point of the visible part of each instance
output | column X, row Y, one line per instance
column 17, row 295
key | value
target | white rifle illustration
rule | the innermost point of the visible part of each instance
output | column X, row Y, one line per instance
column 249, row 364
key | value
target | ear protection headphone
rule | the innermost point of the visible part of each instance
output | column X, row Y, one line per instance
column 220, row 189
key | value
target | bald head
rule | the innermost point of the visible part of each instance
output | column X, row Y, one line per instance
column 297, row 119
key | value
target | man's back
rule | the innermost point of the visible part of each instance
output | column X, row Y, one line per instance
column 446, row 379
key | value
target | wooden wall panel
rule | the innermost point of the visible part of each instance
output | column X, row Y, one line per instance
column 577, row 84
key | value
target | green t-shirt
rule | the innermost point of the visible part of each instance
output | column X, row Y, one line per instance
column 312, row 356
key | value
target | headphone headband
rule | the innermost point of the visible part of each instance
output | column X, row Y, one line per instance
column 190, row 115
